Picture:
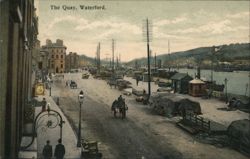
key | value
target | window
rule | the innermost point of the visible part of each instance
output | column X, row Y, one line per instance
column 52, row 56
column 62, row 56
column 57, row 56
column 52, row 65
column 61, row 65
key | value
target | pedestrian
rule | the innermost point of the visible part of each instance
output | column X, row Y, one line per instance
column 66, row 83
column 137, row 80
column 59, row 150
column 47, row 151
column 48, row 106
column 44, row 103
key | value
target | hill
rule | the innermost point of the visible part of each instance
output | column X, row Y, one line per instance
column 85, row 60
column 227, row 53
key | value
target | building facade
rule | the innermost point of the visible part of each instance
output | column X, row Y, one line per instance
column 18, row 34
column 57, row 55
column 72, row 61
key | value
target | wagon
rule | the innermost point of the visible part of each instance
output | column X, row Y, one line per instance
column 90, row 149
column 119, row 107
column 85, row 76
column 73, row 84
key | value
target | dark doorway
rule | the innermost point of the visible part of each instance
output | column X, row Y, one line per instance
column 40, row 65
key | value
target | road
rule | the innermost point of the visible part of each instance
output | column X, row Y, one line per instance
column 141, row 135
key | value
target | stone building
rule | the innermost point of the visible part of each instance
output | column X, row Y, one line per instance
column 57, row 54
column 18, row 35
column 72, row 61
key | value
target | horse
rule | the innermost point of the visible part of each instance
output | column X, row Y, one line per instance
column 112, row 83
column 119, row 107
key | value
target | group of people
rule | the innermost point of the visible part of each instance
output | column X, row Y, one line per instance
column 59, row 150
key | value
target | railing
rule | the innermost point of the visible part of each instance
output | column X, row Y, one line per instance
column 197, row 121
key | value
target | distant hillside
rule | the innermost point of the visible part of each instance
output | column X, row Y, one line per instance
column 90, row 60
column 86, row 58
column 226, row 53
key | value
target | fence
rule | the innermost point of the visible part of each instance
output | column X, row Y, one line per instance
column 197, row 122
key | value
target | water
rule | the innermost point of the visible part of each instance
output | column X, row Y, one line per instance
column 238, row 82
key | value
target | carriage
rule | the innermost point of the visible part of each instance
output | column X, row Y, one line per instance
column 119, row 107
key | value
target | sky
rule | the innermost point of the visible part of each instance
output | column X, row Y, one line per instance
column 185, row 24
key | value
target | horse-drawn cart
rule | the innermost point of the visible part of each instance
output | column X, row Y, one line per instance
column 119, row 107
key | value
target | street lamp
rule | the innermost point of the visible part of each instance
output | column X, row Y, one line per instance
column 226, row 80
column 215, row 50
column 49, row 84
column 80, row 99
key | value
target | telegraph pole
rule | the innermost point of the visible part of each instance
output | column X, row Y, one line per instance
column 148, row 39
column 113, row 50
column 116, row 62
column 98, row 61
column 169, row 67
column 99, row 56
column 155, row 62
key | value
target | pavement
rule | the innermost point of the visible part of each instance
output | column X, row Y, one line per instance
column 210, row 107
column 69, row 139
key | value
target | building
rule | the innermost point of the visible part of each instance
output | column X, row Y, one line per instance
column 180, row 82
column 57, row 54
column 72, row 61
column 18, row 35
column 197, row 88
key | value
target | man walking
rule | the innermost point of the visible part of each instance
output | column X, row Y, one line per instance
column 59, row 150
column 47, row 151
column 44, row 103
column 137, row 80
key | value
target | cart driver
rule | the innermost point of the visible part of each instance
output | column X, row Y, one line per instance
column 120, row 99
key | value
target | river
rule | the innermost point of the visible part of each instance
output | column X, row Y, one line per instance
column 238, row 82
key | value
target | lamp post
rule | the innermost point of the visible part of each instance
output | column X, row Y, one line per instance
column 215, row 50
column 226, row 80
column 80, row 99
column 49, row 87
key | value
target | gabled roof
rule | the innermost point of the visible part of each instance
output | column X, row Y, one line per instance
column 179, row 76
